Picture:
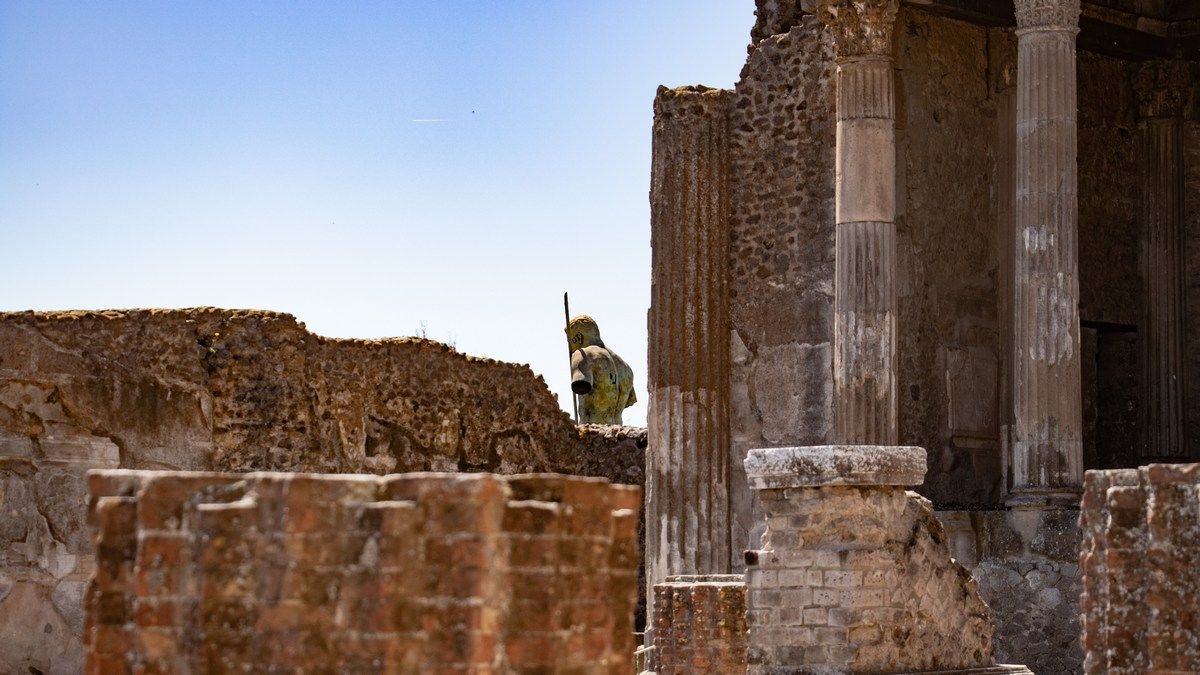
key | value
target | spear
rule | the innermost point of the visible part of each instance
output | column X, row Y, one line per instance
column 567, row 315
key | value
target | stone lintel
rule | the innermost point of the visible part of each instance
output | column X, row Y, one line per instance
column 1003, row 669
column 828, row 465
column 705, row 579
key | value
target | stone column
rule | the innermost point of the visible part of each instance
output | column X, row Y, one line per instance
column 1047, row 417
column 687, row 474
column 1162, row 88
column 854, row 574
column 864, row 369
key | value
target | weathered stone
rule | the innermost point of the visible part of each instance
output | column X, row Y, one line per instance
column 699, row 625
column 817, row 466
column 854, row 575
column 687, row 496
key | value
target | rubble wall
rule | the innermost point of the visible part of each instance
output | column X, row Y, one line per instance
column 210, row 389
column 1026, row 566
column 405, row 573
column 781, row 287
column 1140, row 553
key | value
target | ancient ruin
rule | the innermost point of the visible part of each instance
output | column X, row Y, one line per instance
column 221, row 390
column 208, row 572
column 923, row 389
column 961, row 226
column 1140, row 556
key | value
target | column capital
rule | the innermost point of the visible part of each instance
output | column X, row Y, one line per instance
column 860, row 27
column 1047, row 15
column 1162, row 88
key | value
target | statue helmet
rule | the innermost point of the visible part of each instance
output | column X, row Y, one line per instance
column 583, row 331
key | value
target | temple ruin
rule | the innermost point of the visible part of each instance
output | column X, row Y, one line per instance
column 924, row 397
column 970, row 227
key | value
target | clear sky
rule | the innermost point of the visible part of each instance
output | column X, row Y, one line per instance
column 373, row 168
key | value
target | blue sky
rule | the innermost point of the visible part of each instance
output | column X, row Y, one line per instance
column 281, row 156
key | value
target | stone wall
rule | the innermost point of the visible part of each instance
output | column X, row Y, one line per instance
column 782, row 237
column 1026, row 566
column 403, row 573
column 853, row 573
column 210, row 389
column 1140, row 554
column 948, row 254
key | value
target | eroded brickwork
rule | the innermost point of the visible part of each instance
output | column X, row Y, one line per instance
column 204, row 572
column 1140, row 553
column 854, row 574
column 700, row 625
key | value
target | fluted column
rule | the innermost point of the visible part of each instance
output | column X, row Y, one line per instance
column 687, row 462
column 1047, row 418
column 864, row 357
column 1162, row 88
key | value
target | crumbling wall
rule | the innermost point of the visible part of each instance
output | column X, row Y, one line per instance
column 237, row 390
column 211, row 389
column 1140, row 553
column 781, row 286
column 853, row 573
column 1025, row 563
column 406, row 573
column 699, row 625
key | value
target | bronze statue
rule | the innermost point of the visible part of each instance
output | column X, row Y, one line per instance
column 602, row 380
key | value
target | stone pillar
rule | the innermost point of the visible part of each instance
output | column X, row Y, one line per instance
column 854, row 574
column 864, row 368
column 1162, row 89
column 687, row 474
column 1047, row 441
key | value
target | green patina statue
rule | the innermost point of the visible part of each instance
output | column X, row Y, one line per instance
column 601, row 379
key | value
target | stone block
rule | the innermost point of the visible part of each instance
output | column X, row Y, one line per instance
column 817, row 466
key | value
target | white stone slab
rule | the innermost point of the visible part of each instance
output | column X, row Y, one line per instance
column 822, row 465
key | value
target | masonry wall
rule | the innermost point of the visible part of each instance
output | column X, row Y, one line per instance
column 1140, row 551
column 948, row 252
column 781, row 287
column 211, row 389
column 418, row 572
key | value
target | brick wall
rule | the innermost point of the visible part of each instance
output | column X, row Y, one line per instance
column 699, row 625
column 1140, row 556
column 403, row 573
